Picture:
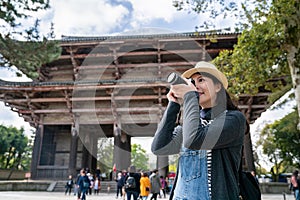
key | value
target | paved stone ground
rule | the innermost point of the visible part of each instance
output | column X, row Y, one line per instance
column 102, row 196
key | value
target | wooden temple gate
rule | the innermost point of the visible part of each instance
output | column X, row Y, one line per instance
column 109, row 87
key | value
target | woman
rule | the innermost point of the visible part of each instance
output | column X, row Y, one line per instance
column 210, row 139
column 83, row 184
column 97, row 185
column 145, row 186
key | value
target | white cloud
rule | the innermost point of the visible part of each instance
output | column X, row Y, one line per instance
column 81, row 17
column 103, row 17
column 9, row 74
column 10, row 118
column 146, row 11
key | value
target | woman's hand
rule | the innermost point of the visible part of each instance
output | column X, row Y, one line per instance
column 178, row 91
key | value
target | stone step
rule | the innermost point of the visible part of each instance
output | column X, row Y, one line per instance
column 106, row 186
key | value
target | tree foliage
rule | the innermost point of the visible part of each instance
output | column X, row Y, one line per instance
column 15, row 148
column 22, row 46
column 281, row 142
column 261, row 51
column 139, row 157
column 105, row 154
column 212, row 9
column 267, row 54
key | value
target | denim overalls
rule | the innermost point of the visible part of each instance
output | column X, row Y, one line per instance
column 192, row 180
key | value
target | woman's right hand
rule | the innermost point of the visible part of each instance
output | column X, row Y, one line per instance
column 171, row 97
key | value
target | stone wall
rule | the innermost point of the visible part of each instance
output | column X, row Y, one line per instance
column 24, row 186
column 274, row 188
column 15, row 175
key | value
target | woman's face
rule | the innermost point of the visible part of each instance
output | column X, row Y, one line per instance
column 207, row 90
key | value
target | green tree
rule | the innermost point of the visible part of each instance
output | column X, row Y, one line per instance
column 281, row 142
column 105, row 154
column 21, row 46
column 139, row 157
column 15, row 148
column 212, row 10
column 267, row 49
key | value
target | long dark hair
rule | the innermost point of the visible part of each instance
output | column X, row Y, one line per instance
column 224, row 101
column 223, row 97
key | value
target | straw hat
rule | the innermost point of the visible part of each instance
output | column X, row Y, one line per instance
column 209, row 68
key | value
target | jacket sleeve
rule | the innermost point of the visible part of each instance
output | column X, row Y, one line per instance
column 226, row 130
column 168, row 137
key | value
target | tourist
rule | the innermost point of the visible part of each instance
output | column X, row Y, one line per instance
column 210, row 139
column 145, row 186
column 69, row 185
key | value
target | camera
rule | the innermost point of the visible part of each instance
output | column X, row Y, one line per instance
column 175, row 79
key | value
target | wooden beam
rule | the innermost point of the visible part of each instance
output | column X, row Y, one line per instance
column 80, row 86
column 93, row 110
column 76, row 99
column 107, row 41
column 139, row 65
column 260, row 94
column 137, row 53
column 259, row 106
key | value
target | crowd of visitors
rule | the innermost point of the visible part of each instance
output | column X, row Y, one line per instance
column 140, row 185
column 130, row 184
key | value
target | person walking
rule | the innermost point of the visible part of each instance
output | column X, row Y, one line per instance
column 155, row 184
column 120, row 184
column 91, row 179
column 97, row 185
column 83, row 185
column 210, row 139
column 145, row 186
column 69, row 185
column 295, row 184
column 163, row 183
column 132, row 184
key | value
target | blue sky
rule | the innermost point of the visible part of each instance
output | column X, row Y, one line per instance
column 103, row 17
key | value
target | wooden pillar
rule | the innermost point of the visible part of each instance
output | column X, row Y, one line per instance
column 122, row 151
column 85, row 157
column 73, row 152
column 163, row 165
column 36, row 151
column 89, row 150
column 93, row 164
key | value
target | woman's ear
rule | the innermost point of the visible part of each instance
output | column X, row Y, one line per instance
column 218, row 87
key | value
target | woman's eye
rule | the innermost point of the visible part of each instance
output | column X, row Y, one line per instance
column 200, row 80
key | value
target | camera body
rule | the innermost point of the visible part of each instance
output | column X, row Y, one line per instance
column 175, row 79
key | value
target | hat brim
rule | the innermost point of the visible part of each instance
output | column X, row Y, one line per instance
column 214, row 72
